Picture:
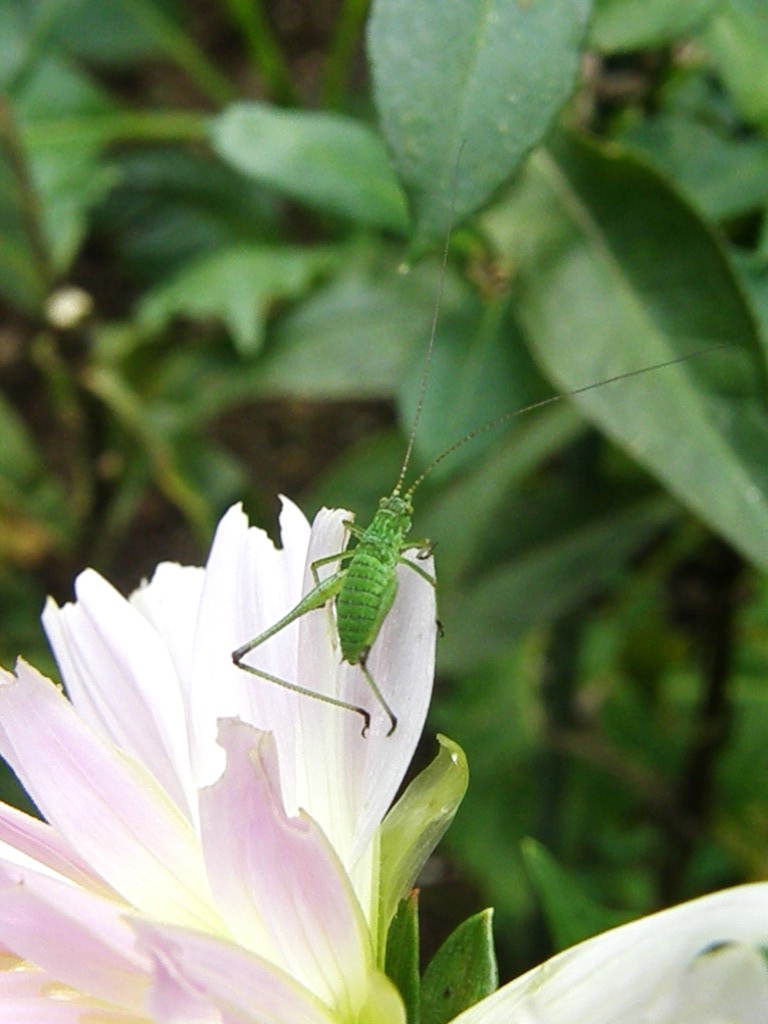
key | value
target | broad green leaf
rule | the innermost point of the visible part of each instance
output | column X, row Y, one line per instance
column 571, row 915
column 460, row 517
column 461, row 973
column 173, row 206
column 415, row 824
column 633, row 24
column 464, row 89
column 753, row 275
column 737, row 39
column 115, row 36
column 61, row 180
column 725, row 176
column 480, row 370
column 402, row 959
column 616, row 273
column 327, row 161
column 237, row 286
column 363, row 333
column 555, row 553
column 14, row 32
column 25, row 269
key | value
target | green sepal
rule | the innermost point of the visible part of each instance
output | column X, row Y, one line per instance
column 415, row 825
column 402, row 962
column 461, row 973
column 571, row 915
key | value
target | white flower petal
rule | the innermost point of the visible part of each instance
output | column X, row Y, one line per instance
column 122, row 681
column 725, row 983
column 170, row 602
column 345, row 780
column 121, row 822
column 639, row 971
column 247, row 588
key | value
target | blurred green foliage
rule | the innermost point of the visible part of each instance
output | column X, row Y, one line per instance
column 201, row 233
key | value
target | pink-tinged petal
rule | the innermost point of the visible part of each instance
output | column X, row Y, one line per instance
column 28, row 996
column 121, row 679
column 106, row 805
column 638, row 971
column 80, row 939
column 27, row 840
column 277, row 882
column 248, row 586
column 195, row 971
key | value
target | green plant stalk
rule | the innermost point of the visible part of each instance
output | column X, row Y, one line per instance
column 65, row 401
column 182, row 50
column 266, row 55
column 341, row 51
column 127, row 126
column 27, row 201
column 108, row 387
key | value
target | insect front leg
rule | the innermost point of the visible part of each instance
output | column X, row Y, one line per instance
column 342, row 556
column 362, row 662
column 417, row 568
column 321, row 594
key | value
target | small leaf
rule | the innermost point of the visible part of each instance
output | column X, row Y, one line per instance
column 68, row 172
column 402, row 960
column 461, row 973
column 571, row 915
column 238, row 286
column 737, row 39
column 329, row 162
column 471, row 81
column 620, row 25
column 729, row 176
column 172, row 206
column 355, row 337
column 115, row 35
column 416, row 823
column 563, row 553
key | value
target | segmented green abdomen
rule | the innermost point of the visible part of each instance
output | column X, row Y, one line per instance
column 365, row 597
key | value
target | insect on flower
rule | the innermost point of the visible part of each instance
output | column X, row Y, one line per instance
column 364, row 583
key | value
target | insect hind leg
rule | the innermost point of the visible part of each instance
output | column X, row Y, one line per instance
column 418, row 569
column 319, row 596
column 306, row 692
column 362, row 662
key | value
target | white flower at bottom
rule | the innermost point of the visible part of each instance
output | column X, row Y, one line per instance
column 211, row 845
column 703, row 962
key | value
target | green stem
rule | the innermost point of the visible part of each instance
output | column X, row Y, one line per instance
column 37, row 269
column 341, row 51
column 66, row 405
column 108, row 387
column 182, row 50
column 125, row 126
column 266, row 55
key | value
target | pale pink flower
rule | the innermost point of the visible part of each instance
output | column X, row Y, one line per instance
column 211, row 846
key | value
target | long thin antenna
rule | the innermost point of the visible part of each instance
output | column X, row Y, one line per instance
column 432, row 329
column 504, row 417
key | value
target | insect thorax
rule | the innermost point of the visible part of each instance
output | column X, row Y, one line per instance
column 391, row 524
